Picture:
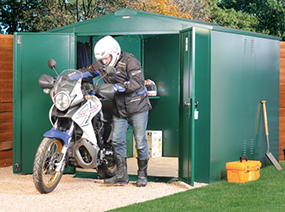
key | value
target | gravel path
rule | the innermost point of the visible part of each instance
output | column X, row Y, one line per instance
column 17, row 193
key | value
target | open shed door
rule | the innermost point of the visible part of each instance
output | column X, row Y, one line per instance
column 31, row 105
column 187, row 105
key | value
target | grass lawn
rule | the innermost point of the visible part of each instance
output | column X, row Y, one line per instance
column 265, row 194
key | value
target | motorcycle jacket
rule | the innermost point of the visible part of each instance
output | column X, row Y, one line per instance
column 129, row 75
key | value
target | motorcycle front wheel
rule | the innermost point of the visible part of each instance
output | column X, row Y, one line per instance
column 44, row 175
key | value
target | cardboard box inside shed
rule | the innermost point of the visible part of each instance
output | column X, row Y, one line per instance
column 154, row 140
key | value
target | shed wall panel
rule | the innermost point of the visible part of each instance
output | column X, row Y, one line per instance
column 31, row 106
column 245, row 70
column 166, row 75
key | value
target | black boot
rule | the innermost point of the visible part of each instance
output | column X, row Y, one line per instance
column 142, row 173
column 121, row 176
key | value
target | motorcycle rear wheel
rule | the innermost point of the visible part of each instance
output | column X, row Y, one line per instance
column 107, row 169
column 44, row 175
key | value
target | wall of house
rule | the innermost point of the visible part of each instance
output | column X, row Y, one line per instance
column 6, row 100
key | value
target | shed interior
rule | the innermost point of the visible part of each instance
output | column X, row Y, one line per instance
column 159, row 57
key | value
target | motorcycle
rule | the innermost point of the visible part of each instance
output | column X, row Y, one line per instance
column 81, row 132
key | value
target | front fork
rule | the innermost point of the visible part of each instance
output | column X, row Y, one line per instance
column 59, row 165
column 66, row 138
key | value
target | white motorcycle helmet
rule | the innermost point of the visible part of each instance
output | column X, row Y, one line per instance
column 105, row 47
column 150, row 87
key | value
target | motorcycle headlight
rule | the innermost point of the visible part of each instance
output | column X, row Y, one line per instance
column 61, row 101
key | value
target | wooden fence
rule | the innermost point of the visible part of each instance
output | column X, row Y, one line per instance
column 282, row 101
column 6, row 100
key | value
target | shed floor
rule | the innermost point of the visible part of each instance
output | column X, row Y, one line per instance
column 161, row 167
column 157, row 167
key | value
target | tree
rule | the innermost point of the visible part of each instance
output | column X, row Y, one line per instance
column 232, row 18
column 12, row 14
column 192, row 9
column 269, row 13
column 50, row 15
column 264, row 16
column 42, row 15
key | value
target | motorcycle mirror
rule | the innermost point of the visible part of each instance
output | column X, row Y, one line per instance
column 51, row 63
column 46, row 81
column 111, row 71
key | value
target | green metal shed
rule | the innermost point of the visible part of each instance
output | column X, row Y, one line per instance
column 210, row 81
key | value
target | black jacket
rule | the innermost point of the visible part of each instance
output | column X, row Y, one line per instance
column 129, row 74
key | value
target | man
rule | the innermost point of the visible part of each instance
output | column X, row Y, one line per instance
column 130, row 105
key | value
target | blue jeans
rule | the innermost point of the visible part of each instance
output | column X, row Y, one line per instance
column 139, row 123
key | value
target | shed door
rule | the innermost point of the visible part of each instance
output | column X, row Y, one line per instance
column 31, row 105
column 187, row 64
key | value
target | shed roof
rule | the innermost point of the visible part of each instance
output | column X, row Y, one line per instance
column 133, row 22
column 130, row 22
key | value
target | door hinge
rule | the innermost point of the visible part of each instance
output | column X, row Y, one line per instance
column 18, row 167
column 19, row 39
column 187, row 104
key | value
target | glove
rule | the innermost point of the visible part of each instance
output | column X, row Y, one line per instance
column 119, row 88
column 78, row 76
